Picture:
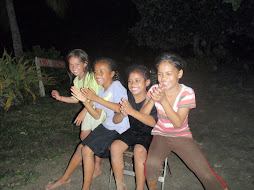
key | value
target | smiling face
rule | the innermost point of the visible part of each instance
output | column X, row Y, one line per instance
column 137, row 83
column 168, row 75
column 77, row 67
column 103, row 74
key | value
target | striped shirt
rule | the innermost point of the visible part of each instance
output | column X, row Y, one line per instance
column 164, row 127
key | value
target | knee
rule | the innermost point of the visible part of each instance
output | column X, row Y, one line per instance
column 152, row 163
column 140, row 153
column 115, row 149
column 86, row 151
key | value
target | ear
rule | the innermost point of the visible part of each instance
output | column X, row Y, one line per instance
column 180, row 74
column 85, row 64
column 112, row 74
column 148, row 81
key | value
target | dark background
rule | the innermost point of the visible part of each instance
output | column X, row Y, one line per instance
column 98, row 27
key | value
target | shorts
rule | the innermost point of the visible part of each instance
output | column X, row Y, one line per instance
column 131, row 138
column 100, row 140
column 90, row 123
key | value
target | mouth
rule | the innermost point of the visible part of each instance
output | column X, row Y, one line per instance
column 165, row 84
column 134, row 89
column 98, row 80
column 75, row 71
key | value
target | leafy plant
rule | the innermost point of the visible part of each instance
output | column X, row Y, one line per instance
column 17, row 79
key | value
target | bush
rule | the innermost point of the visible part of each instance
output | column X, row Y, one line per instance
column 37, row 51
column 17, row 79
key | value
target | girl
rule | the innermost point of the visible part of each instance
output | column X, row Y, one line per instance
column 139, row 134
column 97, row 142
column 79, row 66
column 171, row 133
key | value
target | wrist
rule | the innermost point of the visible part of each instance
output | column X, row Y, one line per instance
column 122, row 115
column 60, row 99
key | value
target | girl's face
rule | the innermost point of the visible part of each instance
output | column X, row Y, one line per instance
column 77, row 67
column 103, row 74
column 168, row 75
column 137, row 83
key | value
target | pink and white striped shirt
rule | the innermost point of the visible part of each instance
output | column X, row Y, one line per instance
column 164, row 127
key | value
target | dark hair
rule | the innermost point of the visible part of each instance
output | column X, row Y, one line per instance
column 174, row 59
column 145, row 72
column 81, row 55
column 111, row 64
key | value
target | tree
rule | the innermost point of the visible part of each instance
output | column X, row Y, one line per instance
column 58, row 6
column 235, row 3
column 177, row 23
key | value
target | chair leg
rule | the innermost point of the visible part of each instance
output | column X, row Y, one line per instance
column 110, row 178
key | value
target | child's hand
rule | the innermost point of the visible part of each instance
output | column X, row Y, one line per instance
column 158, row 94
column 80, row 118
column 89, row 93
column 55, row 94
column 77, row 94
column 126, row 107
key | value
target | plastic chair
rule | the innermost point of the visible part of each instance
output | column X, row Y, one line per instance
column 129, row 153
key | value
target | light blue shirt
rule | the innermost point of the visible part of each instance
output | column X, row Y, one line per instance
column 114, row 94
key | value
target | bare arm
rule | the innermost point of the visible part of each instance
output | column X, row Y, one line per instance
column 176, row 118
column 55, row 94
column 90, row 94
column 147, row 106
column 144, row 118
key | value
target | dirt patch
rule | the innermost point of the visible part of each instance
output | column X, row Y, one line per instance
column 222, row 124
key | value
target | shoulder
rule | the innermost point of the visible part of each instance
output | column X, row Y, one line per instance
column 187, row 90
column 75, row 80
column 117, row 84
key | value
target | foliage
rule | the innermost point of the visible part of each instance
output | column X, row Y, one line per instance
column 33, row 134
column 50, row 53
column 17, row 79
column 235, row 3
column 177, row 23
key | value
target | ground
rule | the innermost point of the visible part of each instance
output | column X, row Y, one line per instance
column 222, row 124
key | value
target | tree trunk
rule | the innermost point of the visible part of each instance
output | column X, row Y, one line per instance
column 16, row 38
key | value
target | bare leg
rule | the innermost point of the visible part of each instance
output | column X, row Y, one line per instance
column 117, row 149
column 75, row 160
column 140, row 154
column 88, row 163
column 84, row 134
column 97, row 167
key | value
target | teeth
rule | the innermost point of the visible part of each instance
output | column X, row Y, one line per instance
column 133, row 89
column 165, row 83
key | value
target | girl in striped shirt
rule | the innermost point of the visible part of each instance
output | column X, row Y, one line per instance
column 173, row 102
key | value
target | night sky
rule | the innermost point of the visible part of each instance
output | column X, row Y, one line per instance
column 99, row 27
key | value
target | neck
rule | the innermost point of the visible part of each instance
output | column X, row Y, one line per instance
column 106, row 86
column 81, row 75
column 139, row 97
column 174, row 91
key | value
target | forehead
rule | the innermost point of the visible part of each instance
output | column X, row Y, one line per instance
column 165, row 66
column 74, row 59
column 135, row 74
column 101, row 65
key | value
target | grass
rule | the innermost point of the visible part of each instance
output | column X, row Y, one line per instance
column 34, row 133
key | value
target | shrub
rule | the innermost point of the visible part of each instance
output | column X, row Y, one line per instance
column 17, row 79
column 50, row 53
